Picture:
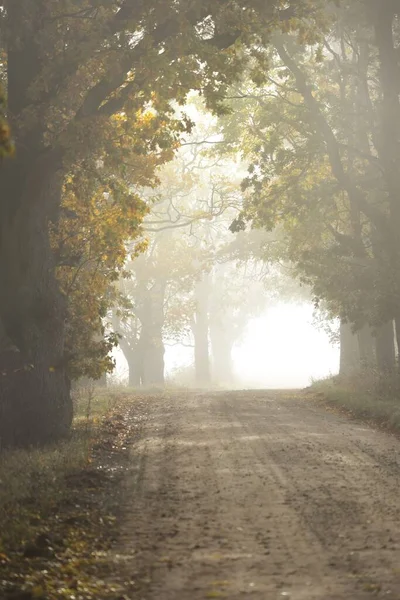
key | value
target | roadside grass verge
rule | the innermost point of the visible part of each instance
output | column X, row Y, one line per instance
column 367, row 396
column 59, row 505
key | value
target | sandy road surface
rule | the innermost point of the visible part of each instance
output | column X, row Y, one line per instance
column 262, row 495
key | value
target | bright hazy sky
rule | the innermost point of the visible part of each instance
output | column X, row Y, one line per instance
column 282, row 349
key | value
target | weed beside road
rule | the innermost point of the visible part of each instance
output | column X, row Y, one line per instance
column 59, row 505
column 367, row 397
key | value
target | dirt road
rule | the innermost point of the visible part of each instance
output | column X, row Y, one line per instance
column 263, row 495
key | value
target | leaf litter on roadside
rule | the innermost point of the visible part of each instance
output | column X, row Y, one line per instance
column 70, row 556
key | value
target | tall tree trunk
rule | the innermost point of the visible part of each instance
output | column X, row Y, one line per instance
column 135, row 370
column 366, row 346
column 35, row 392
column 200, row 328
column 385, row 351
column 151, row 339
column 397, row 338
column 135, row 367
column 349, row 350
column 129, row 344
column 32, row 308
column 389, row 143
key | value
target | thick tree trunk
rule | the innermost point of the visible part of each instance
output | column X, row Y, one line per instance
column 200, row 328
column 153, row 362
column 34, row 388
column 135, row 363
column 134, row 374
column 385, row 24
column 397, row 337
column 385, row 351
column 37, row 407
column 151, row 339
column 129, row 344
column 349, row 350
column 366, row 346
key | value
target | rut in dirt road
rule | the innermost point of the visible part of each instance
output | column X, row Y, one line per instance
column 263, row 495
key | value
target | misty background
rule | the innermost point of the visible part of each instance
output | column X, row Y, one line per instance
column 283, row 348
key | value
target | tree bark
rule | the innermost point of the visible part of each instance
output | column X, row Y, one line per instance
column 34, row 388
column 349, row 350
column 366, row 345
column 151, row 339
column 32, row 308
column 389, row 147
column 385, row 351
column 135, row 369
column 389, row 143
column 135, row 364
column 129, row 344
column 397, row 338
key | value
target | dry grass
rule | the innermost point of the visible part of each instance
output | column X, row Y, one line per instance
column 369, row 396
column 60, row 507
column 32, row 482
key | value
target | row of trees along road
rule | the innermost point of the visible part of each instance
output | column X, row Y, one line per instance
column 321, row 133
column 90, row 90
column 196, row 285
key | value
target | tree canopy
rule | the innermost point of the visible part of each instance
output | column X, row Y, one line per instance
column 96, row 97
column 321, row 140
column 93, row 89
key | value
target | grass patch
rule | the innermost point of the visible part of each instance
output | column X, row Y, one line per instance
column 365, row 396
column 32, row 481
column 59, row 505
column 31, row 486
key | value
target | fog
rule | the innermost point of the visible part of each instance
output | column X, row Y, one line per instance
column 194, row 220
column 281, row 349
column 284, row 349
column 200, row 207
